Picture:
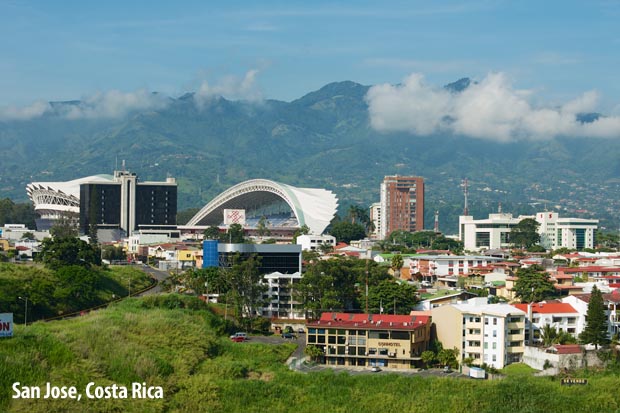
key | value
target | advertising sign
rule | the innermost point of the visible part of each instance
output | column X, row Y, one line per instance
column 234, row 216
column 6, row 324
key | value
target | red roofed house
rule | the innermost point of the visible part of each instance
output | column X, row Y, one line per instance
column 560, row 315
column 388, row 341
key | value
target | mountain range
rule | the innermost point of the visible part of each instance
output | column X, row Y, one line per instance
column 323, row 139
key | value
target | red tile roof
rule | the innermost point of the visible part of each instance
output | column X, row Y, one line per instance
column 566, row 348
column 589, row 268
column 371, row 321
column 547, row 308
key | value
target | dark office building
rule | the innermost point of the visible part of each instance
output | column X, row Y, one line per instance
column 273, row 257
column 128, row 205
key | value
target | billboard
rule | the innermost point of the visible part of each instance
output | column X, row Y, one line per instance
column 234, row 216
column 6, row 324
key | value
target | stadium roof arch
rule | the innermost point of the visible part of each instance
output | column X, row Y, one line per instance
column 312, row 207
column 52, row 199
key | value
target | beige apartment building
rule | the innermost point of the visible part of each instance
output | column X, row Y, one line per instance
column 488, row 333
column 382, row 340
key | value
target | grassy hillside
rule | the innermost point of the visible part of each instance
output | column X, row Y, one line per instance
column 177, row 343
column 43, row 288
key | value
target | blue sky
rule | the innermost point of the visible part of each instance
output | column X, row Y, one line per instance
column 61, row 50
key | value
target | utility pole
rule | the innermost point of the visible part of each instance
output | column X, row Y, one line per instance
column 25, row 310
column 366, row 286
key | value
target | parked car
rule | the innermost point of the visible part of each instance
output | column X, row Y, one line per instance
column 375, row 369
column 301, row 331
column 240, row 336
column 447, row 369
column 288, row 335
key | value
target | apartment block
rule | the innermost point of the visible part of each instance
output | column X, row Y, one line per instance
column 488, row 333
column 402, row 204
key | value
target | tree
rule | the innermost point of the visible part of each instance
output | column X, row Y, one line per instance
column 315, row 353
column 345, row 231
column 525, row 233
column 397, row 263
column 595, row 331
column 428, row 357
column 533, row 284
column 235, row 234
column 213, row 232
column 66, row 226
column 448, row 357
column 244, row 282
column 261, row 227
column 393, row 296
column 60, row 252
column 27, row 235
column 112, row 253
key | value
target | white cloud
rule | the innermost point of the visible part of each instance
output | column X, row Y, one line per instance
column 490, row 109
column 110, row 104
column 113, row 104
column 230, row 87
column 24, row 113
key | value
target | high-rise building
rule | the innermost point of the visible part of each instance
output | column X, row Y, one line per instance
column 128, row 205
column 402, row 204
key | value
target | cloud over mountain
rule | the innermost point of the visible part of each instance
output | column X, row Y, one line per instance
column 230, row 87
column 490, row 109
column 101, row 105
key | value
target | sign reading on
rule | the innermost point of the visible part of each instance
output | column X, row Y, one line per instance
column 234, row 216
column 6, row 324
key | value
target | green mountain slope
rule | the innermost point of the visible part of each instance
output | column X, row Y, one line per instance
column 321, row 139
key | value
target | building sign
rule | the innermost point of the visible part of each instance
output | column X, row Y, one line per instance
column 6, row 324
column 388, row 344
column 234, row 216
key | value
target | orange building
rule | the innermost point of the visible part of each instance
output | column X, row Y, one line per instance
column 402, row 204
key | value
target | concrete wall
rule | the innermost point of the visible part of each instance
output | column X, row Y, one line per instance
column 535, row 357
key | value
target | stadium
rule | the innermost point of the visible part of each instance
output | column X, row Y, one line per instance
column 285, row 208
column 53, row 200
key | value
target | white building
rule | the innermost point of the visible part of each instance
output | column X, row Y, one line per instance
column 313, row 242
column 375, row 218
column 573, row 233
column 561, row 316
column 488, row 333
column 555, row 232
column 279, row 301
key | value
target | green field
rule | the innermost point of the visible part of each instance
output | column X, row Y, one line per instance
column 181, row 345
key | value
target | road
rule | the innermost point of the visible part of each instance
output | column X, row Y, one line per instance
column 158, row 275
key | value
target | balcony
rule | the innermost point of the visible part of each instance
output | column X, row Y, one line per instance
column 514, row 326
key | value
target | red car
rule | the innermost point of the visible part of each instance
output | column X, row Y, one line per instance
column 238, row 339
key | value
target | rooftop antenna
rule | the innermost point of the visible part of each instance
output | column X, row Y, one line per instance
column 466, row 193
column 499, row 207
column 123, row 165
column 436, row 221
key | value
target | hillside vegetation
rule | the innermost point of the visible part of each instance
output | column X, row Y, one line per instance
column 179, row 344
column 323, row 139
column 53, row 293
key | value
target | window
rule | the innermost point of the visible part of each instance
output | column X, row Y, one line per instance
column 494, row 347
column 494, row 333
column 494, row 321
column 486, row 321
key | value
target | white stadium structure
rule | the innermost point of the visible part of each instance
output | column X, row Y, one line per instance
column 285, row 206
column 54, row 199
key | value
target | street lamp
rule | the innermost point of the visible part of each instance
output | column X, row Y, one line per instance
column 25, row 310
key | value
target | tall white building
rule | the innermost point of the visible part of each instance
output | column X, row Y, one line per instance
column 555, row 232
column 375, row 218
